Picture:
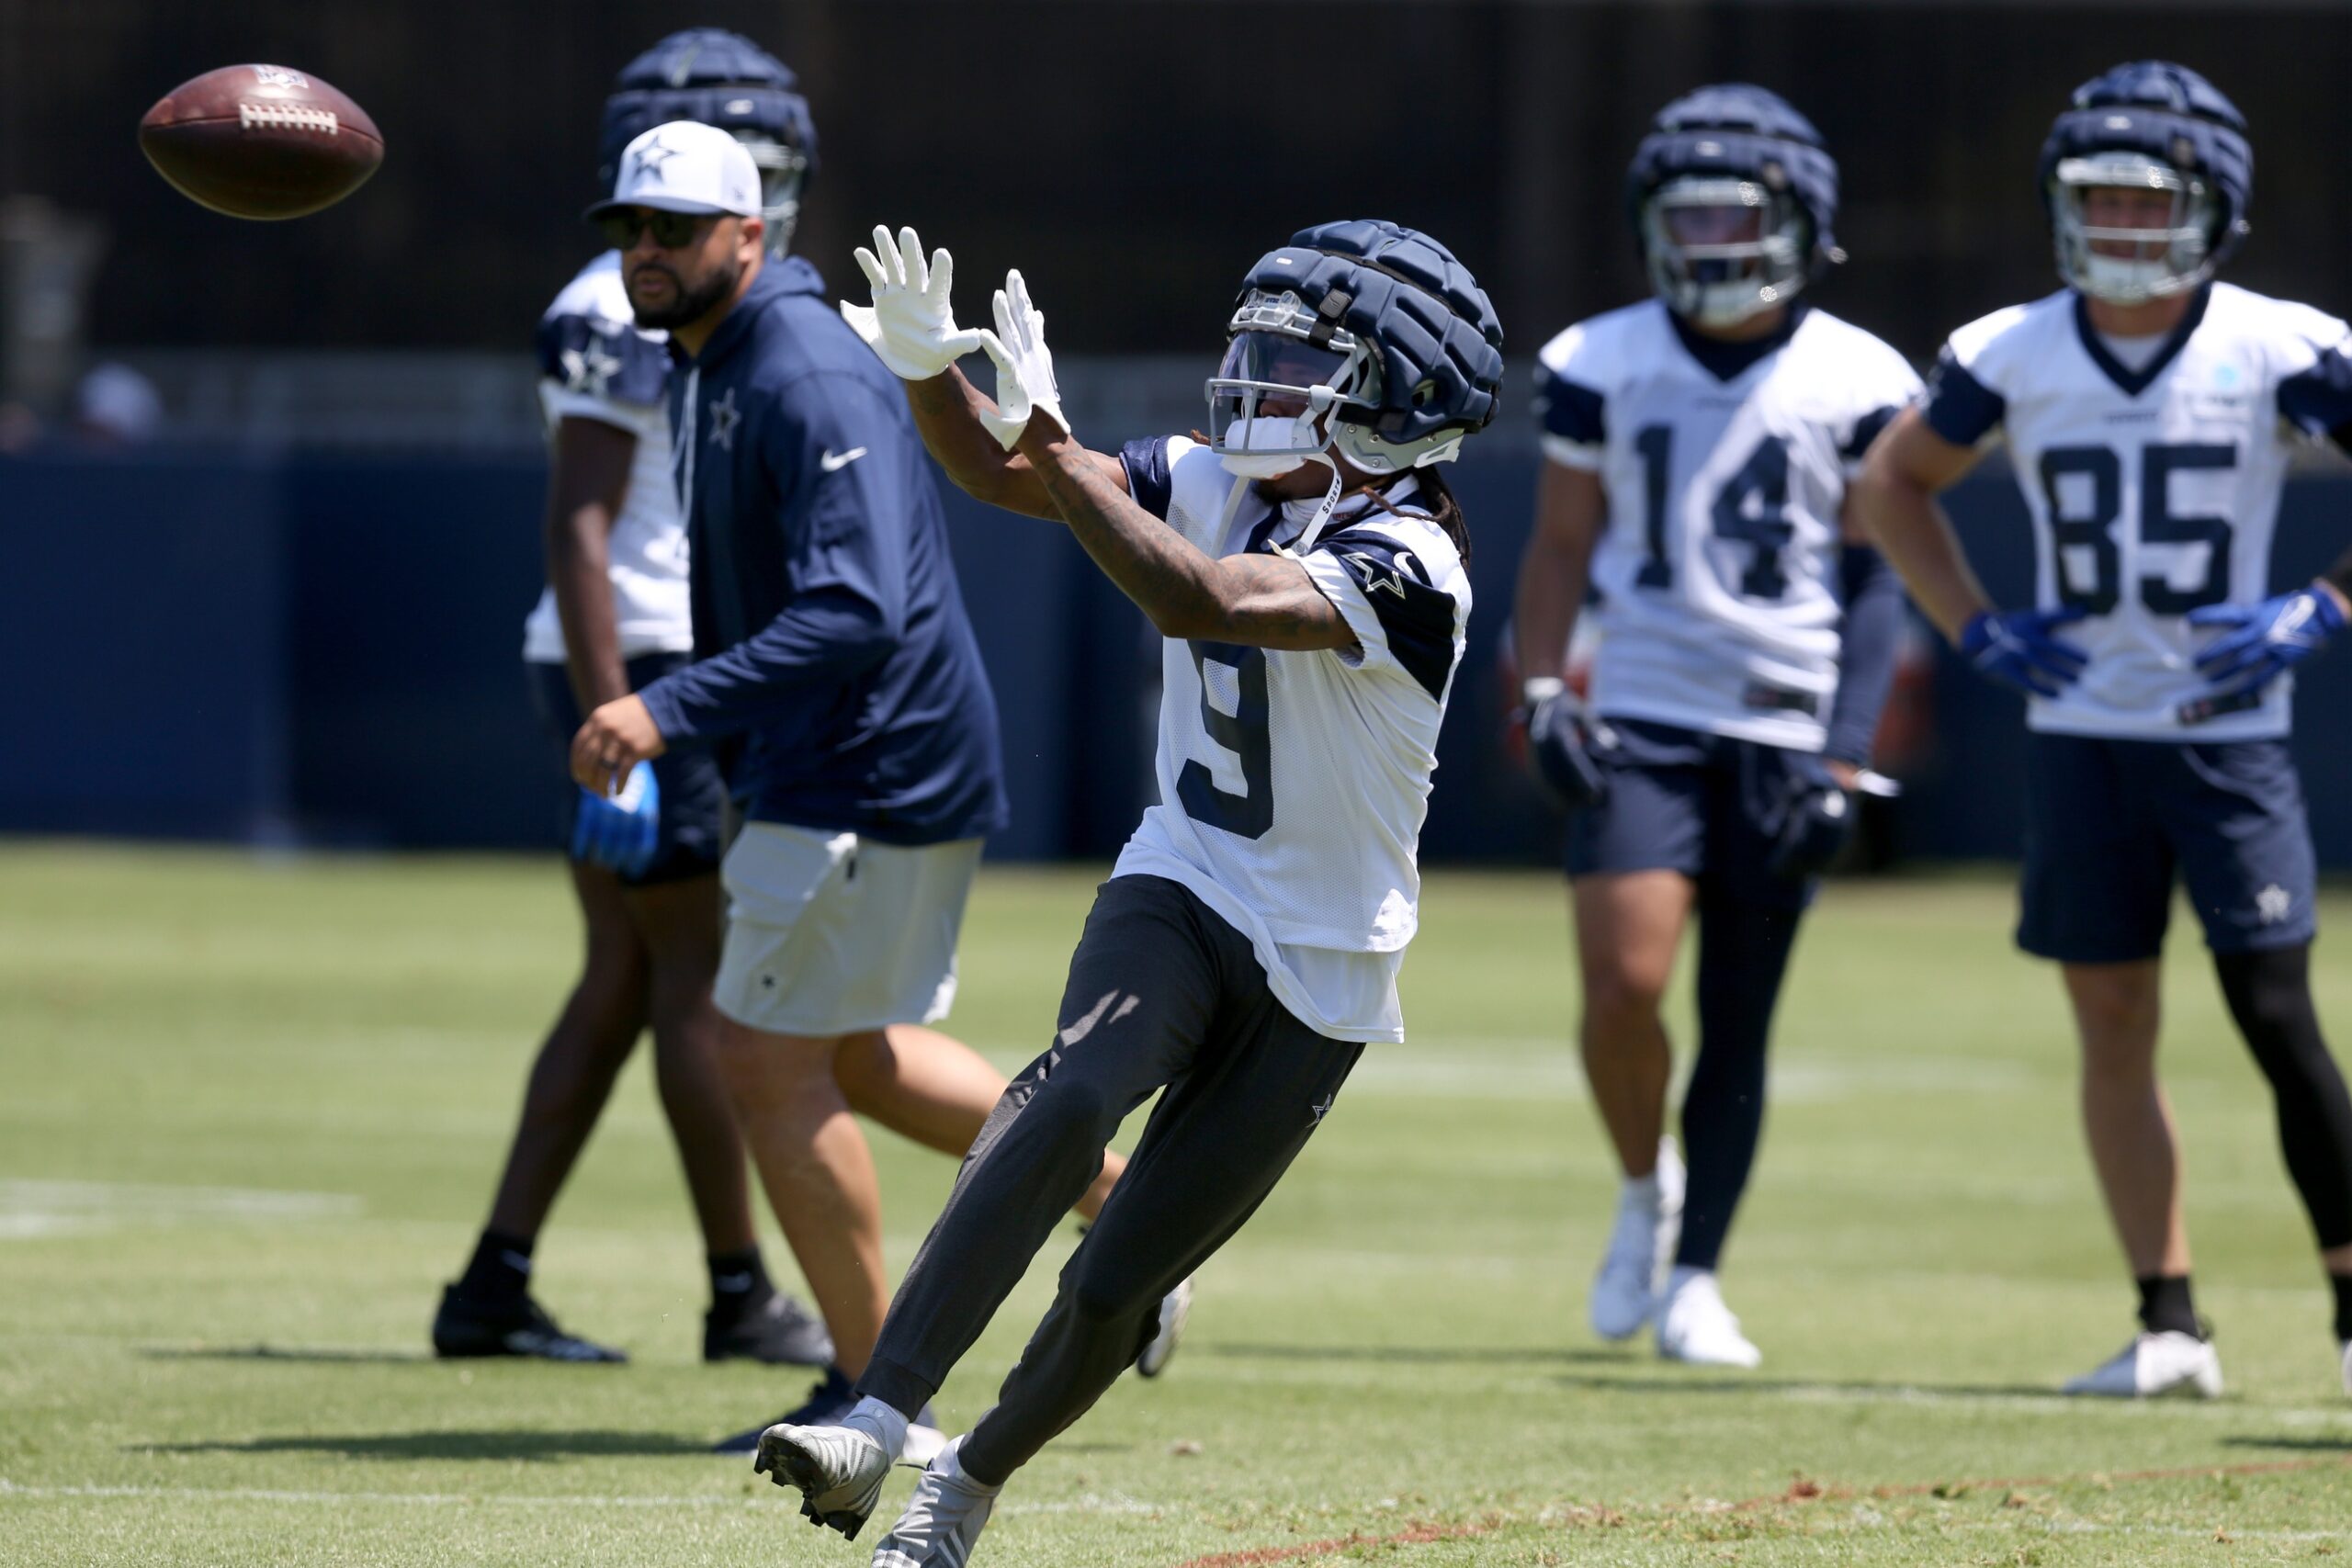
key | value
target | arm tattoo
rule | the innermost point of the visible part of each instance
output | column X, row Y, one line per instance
column 1264, row 601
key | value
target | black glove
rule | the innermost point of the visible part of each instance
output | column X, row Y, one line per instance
column 1561, row 739
column 1816, row 818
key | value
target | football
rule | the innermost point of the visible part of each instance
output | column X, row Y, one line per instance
column 261, row 142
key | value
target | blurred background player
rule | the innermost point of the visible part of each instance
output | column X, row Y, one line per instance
column 1306, row 567
column 1699, row 446
column 2149, row 413
column 837, row 668
column 644, row 866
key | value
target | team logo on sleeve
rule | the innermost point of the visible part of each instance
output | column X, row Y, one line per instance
column 1379, row 577
column 589, row 370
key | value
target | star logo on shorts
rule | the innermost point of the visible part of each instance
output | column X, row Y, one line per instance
column 724, row 418
column 2273, row 903
column 1319, row 1112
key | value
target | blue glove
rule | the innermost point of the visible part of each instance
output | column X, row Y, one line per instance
column 2267, row 639
column 2015, row 648
column 1560, row 741
column 1816, row 819
column 622, row 832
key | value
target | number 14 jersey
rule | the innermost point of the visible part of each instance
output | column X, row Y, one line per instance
column 1293, row 784
column 2154, row 487
column 1726, row 467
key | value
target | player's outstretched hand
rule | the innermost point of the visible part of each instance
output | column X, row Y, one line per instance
column 910, row 326
column 1561, row 739
column 2015, row 648
column 1817, row 818
column 1024, row 367
column 617, row 737
column 2263, row 641
column 620, row 832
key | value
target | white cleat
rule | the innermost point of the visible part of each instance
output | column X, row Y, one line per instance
column 942, row 1519
column 1694, row 1326
column 839, row 1471
column 1649, row 1223
column 1174, row 1308
column 2154, row 1366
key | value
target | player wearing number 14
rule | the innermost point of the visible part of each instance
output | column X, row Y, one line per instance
column 1698, row 446
column 2149, row 412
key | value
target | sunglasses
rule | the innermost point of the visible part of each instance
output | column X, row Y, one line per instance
column 670, row 229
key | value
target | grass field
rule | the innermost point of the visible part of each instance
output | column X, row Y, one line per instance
column 249, row 1112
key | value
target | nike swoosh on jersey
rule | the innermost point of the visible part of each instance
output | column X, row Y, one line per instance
column 831, row 461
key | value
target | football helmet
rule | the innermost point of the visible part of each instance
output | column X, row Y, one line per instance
column 722, row 79
column 1364, row 341
column 1733, row 198
column 2149, row 126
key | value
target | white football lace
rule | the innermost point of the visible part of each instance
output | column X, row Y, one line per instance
column 286, row 117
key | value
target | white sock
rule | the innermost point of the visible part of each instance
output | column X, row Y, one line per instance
column 1681, row 1276
column 881, row 1423
column 1644, row 1191
column 950, row 1463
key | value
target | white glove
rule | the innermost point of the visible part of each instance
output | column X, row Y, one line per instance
column 1024, row 367
column 909, row 326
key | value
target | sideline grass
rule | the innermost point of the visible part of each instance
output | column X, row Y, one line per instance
column 249, row 1112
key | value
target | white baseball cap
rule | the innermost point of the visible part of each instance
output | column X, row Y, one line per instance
column 685, row 166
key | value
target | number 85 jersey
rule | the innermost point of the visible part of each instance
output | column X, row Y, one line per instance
column 2152, row 481
column 1293, row 782
column 1725, row 469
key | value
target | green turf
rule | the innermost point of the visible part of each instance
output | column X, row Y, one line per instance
column 249, row 1112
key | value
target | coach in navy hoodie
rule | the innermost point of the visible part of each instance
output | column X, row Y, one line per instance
column 835, row 668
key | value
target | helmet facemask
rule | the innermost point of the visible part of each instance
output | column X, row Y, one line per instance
column 1722, row 248
column 783, row 169
column 1274, row 400
column 2132, row 265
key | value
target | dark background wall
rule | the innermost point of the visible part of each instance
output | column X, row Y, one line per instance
column 1133, row 157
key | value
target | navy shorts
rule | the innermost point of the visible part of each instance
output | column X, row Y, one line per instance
column 693, row 794
column 2109, row 823
column 1707, row 806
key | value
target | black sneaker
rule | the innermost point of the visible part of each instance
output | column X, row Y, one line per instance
column 778, row 1331
column 468, row 1325
column 827, row 1403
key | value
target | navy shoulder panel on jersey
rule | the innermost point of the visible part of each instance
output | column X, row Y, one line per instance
column 1959, row 408
column 1148, row 479
column 2318, row 401
column 601, row 359
column 1570, row 409
column 1866, row 430
column 1417, row 614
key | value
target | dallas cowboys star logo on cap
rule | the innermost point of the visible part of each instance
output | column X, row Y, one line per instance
column 648, row 160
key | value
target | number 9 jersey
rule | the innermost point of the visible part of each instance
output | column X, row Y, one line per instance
column 1717, row 573
column 2152, row 470
column 1293, row 782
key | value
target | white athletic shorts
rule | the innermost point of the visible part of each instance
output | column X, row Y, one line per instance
column 831, row 934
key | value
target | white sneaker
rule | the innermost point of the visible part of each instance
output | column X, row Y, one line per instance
column 1174, row 1308
column 839, row 1470
column 942, row 1519
column 1694, row 1325
column 2153, row 1366
column 1649, row 1222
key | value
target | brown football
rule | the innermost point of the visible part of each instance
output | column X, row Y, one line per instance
column 261, row 142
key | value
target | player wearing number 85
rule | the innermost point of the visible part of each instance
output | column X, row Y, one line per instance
column 1306, row 566
column 1698, row 449
column 2149, row 412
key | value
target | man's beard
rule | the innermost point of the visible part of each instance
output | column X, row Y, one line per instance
column 690, row 304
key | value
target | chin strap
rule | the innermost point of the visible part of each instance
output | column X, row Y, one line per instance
column 1323, row 513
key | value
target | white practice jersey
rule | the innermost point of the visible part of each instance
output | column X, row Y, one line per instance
column 2153, row 490
column 594, row 363
column 1293, row 784
column 1718, row 572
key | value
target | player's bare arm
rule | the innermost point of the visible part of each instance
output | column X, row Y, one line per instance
column 1892, row 505
column 951, row 415
column 585, row 489
column 1571, row 508
column 1252, row 600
